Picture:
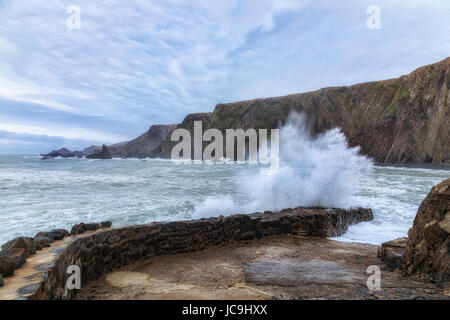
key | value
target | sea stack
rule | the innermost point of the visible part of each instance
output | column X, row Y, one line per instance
column 104, row 154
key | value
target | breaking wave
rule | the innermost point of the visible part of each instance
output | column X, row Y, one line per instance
column 313, row 171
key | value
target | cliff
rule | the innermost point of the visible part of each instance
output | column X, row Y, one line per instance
column 403, row 120
column 147, row 145
column 393, row 121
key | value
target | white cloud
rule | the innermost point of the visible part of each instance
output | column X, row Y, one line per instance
column 148, row 62
column 68, row 133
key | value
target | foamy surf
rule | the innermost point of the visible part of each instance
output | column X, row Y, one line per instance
column 319, row 171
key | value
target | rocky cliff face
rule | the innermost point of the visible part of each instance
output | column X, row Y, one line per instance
column 404, row 120
column 147, row 145
column 393, row 121
column 428, row 247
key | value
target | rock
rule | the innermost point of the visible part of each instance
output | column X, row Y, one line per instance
column 78, row 229
column 18, row 256
column 92, row 226
column 106, row 224
column 63, row 153
column 21, row 242
column 7, row 265
column 391, row 253
column 42, row 242
column 104, row 154
column 48, row 235
column 428, row 247
column 1, row 281
column 148, row 145
column 59, row 234
column 92, row 150
column 249, row 235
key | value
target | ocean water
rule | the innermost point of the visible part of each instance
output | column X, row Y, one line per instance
column 37, row 195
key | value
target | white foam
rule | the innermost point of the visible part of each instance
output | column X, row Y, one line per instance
column 320, row 171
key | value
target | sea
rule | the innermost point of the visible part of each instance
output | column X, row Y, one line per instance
column 40, row 195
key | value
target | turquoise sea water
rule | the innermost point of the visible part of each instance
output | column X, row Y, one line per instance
column 37, row 195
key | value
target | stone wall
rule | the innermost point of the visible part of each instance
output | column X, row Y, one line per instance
column 100, row 251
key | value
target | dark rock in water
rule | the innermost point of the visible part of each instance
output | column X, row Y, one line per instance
column 42, row 242
column 104, row 154
column 18, row 256
column 21, row 242
column 106, row 224
column 78, row 229
column 92, row 150
column 428, row 248
column 45, row 158
column 59, row 234
column 63, row 153
column 391, row 253
column 48, row 235
column 7, row 265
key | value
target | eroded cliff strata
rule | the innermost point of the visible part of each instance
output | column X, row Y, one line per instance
column 403, row 120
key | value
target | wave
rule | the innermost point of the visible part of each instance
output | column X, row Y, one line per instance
column 314, row 171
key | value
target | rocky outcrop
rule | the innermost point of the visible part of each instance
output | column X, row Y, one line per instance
column 21, row 243
column 392, row 252
column 428, row 248
column 18, row 256
column 147, row 145
column 42, row 242
column 102, row 155
column 48, row 235
column 7, row 265
column 82, row 227
column 91, row 150
column 63, row 153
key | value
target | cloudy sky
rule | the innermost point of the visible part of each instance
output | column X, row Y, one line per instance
column 136, row 63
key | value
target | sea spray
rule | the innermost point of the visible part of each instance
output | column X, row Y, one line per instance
column 314, row 171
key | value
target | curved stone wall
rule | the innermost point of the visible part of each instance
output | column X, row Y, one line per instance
column 44, row 276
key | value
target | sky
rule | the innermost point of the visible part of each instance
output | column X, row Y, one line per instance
column 126, row 65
